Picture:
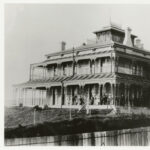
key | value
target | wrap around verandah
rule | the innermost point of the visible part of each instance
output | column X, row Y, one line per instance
column 74, row 91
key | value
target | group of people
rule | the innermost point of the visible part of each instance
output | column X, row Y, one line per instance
column 81, row 100
column 106, row 99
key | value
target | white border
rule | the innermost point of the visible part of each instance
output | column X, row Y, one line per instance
column 2, row 3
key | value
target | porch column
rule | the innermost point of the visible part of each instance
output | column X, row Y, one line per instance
column 100, row 93
column 113, row 64
column 125, row 94
column 65, row 96
column 62, row 95
column 128, row 95
column 32, row 72
column 25, row 96
column 43, row 98
column 44, row 72
column 20, row 96
column 141, row 96
column 81, row 93
column 132, row 64
column 59, row 68
column 92, row 66
column 111, row 59
column 77, row 66
column 25, row 101
column 33, row 96
column 87, row 99
column 94, row 61
column 46, row 98
column 17, row 99
column 116, row 64
column 103, row 89
column 71, row 94
column 49, row 95
column 100, row 65
column 42, row 93
column 39, row 97
column 90, row 63
column 117, row 92
column 17, row 96
column 112, row 93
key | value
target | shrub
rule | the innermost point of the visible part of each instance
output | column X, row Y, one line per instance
column 45, row 107
column 37, row 108
column 20, row 105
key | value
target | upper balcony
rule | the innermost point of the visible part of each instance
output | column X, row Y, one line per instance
column 84, row 66
column 133, row 67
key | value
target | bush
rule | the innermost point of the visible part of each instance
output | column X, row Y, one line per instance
column 20, row 105
column 37, row 108
column 45, row 107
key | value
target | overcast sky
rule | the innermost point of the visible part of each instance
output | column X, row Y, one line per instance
column 33, row 30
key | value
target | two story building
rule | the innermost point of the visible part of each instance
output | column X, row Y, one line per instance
column 114, row 69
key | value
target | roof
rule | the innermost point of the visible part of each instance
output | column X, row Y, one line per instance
column 57, row 81
column 114, row 28
column 80, row 48
column 135, row 78
column 66, row 79
column 111, row 27
column 93, row 45
column 147, row 52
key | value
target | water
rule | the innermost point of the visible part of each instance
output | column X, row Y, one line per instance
column 125, row 137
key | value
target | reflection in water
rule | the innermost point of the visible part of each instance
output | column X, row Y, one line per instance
column 125, row 137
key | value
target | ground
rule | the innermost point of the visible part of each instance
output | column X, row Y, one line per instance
column 20, row 122
column 15, row 116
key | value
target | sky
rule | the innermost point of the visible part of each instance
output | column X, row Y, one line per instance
column 33, row 30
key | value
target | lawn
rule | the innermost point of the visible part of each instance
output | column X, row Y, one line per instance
column 15, row 116
column 19, row 122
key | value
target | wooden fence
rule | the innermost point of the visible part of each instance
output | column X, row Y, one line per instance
column 125, row 137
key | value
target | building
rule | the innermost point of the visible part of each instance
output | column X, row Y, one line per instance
column 112, row 70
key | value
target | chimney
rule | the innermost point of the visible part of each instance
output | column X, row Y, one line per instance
column 63, row 46
column 127, row 40
column 138, row 43
column 142, row 46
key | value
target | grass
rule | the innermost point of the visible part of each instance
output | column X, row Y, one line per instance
column 15, row 116
column 19, row 122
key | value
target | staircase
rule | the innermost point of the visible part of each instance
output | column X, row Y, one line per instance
column 83, row 108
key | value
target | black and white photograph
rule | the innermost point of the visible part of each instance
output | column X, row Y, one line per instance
column 76, row 74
